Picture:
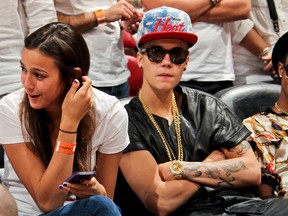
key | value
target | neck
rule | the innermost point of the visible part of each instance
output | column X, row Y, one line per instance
column 158, row 104
column 157, row 100
column 279, row 108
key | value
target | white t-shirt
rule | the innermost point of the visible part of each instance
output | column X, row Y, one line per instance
column 111, row 136
column 211, row 57
column 17, row 19
column 108, row 62
column 248, row 68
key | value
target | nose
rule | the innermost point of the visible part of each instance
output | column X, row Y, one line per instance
column 27, row 81
column 167, row 58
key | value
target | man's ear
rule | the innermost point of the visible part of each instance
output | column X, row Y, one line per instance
column 280, row 69
column 139, row 58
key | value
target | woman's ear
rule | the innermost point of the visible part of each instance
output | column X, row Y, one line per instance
column 78, row 72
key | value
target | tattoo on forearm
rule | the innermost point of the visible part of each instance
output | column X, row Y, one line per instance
column 226, row 181
column 241, row 149
column 214, row 171
column 195, row 172
column 233, row 167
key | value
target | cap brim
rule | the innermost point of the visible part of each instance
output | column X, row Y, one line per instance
column 188, row 37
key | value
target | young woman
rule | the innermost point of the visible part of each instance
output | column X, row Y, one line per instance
column 58, row 124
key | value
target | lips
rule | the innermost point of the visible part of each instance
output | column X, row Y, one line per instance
column 34, row 96
column 166, row 75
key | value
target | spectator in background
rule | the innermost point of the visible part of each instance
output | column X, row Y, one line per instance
column 8, row 205
column 269, row 131
column 58, row 124
column 100, row 22
column 18, row 19
column 254, row 38
column 211, row 63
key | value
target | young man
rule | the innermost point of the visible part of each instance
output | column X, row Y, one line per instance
column 187, row 153
column 210, row 67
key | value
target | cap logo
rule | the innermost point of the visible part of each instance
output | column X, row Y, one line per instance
column 166, row 27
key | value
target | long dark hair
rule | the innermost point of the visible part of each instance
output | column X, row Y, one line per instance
column 69, row 50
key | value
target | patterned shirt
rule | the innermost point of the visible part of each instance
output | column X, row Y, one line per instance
column 269, row 135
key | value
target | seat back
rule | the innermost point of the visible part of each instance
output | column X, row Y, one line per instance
column 249, row 99
column 135, row 79
column 129, row 43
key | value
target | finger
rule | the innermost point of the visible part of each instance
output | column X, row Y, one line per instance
column 268, row 66
column 86, row 84
column 134, row 28
column 74, row 87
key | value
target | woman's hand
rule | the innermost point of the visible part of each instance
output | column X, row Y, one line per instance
column 85, row 189
column 77, row 102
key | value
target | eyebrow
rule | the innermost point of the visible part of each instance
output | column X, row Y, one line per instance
column 34, row 69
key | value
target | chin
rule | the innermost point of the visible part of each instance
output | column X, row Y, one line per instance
column 36, row 106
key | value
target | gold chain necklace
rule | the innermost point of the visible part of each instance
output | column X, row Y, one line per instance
column 280, row 109
column 177, row 123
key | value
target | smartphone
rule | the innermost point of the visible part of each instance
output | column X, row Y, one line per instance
column 77, row 176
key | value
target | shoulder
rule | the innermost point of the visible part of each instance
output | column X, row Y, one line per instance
column 12, row 101
column 267, row 121
column 201, row 100
column 107, row 104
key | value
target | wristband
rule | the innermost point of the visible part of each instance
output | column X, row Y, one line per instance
column 265, row 52
column 69, row 132
column 65, row 148
column 100, row 17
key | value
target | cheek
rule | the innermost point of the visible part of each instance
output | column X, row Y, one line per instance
column 23, row 78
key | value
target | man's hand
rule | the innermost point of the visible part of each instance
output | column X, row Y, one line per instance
column 121, row 10
column 132, row 24
column 269, row 67
column 165, row 173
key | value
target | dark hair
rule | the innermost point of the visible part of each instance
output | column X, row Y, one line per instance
column 280, row 51
column 69, row 50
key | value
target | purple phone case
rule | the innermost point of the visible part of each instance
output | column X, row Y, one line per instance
column 77, row 176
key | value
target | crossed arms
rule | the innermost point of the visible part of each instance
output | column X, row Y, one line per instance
column 236, row 167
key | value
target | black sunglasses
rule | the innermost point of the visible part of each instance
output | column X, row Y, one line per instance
column 156, row 54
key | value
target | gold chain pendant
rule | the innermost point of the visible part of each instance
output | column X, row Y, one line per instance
column 177, row 124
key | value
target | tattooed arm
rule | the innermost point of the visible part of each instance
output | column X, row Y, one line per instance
column 239, row 168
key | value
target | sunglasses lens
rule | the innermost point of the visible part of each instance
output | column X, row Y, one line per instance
column 156, row 54
column 177, row 55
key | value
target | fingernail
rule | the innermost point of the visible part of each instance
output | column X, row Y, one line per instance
column 61, row 187
column 76, row 81
column 64, row 184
